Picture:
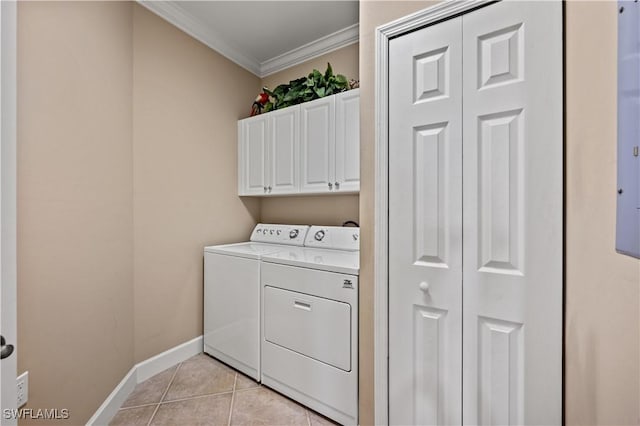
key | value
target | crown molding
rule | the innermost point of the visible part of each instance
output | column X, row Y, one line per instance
column 175, row 15
column 326, row 44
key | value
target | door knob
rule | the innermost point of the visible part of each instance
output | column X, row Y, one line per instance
column 424, row 286
column 5, row 350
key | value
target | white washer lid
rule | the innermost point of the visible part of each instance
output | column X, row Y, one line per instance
column 341, row 261
column 249, row 250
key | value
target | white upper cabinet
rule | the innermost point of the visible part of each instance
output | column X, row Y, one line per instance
column 283, row 170
column 317, row 144
column 347, row 152
column 268, row 157
column 252, row 155
column 312, row 148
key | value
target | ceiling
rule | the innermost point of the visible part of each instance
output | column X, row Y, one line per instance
column 265, row 36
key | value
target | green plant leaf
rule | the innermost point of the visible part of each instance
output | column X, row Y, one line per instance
column 329, row 72
column 267, row 91
column 315, row 85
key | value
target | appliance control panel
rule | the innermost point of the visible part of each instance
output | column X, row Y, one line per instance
column 280, row 234
column 333, row 237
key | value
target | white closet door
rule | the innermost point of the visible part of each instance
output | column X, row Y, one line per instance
column 512, row 198
column 425, row 224
column 284, row 157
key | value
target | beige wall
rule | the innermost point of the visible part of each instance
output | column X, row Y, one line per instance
column 343, row 61
column 326, row 209
column 126, row 169
column 75, row 216
column 602, row 287
column 310, row 210
column 115, row 157
column 186, row 102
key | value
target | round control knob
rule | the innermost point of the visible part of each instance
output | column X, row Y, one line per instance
column 319, row 235
column 278, row 232
column 424, row 286
column 271, row 232
column 293, row 233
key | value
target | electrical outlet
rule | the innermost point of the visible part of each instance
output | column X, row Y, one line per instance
column 22, row 384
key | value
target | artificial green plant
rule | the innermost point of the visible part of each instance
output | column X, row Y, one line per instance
column 315, row 85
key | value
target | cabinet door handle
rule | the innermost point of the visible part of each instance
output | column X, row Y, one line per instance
column 269, row 188
column 337, row 185
column 330, row 186
column 265, row 189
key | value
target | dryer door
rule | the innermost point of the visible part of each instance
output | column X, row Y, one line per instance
column 312, row 326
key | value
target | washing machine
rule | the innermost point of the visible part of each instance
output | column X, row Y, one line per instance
column 232, row 294
column 310, row 322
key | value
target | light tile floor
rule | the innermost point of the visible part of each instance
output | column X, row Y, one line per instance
column 203, row 391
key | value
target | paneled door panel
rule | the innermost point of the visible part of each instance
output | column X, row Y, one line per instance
column 425, row 225
column 254, row 141
column 317, row 145
column 512, row 220
column 283, row 151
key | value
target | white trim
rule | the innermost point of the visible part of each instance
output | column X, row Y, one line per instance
column 339, row 39
column 383, row 34
column 141, row 372
column 114, row 401
column 177, row 16
column 168, row 358
column 8, row 145
column 381, row 234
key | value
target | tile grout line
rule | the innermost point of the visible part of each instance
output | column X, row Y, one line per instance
column 153, row 414
column 138, row 406
column 166, row 391
column 164, row 394
column 248, row 389
column 233, row 394
column 171, row 401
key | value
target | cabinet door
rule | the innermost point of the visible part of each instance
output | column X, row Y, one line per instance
column 317, row 145
column 253, row 141
column 284, row 157
column 347, row 160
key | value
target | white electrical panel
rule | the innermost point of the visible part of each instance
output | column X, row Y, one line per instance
column 628, row 212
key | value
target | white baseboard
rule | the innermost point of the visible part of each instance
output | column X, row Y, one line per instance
column 157, row 364
column 141, row 372
column 112, row 404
